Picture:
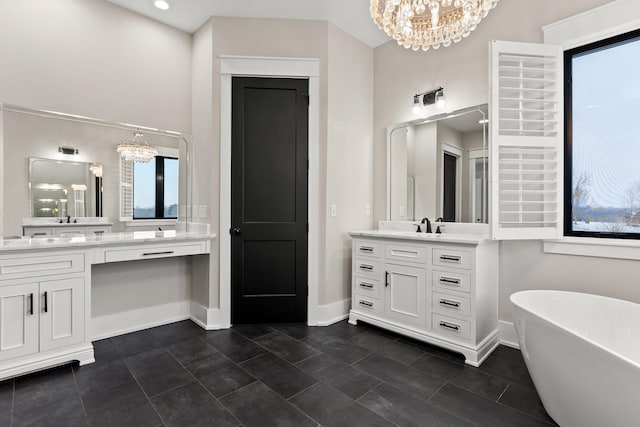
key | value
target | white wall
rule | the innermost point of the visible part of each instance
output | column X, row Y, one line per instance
column 462, row 69
column 349, row 154
column 426, row 158
column 93, row 58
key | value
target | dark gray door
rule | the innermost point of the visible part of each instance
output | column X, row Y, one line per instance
column 449, row 188
column 269, row 200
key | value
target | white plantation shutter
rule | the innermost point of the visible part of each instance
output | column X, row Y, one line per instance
column 126, row 190
column 526, row 141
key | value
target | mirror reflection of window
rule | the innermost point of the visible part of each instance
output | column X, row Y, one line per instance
column 155, row 189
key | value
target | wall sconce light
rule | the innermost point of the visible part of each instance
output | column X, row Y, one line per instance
column 435, row 96
column 68, row 150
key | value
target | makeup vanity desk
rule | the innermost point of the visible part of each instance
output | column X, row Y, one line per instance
column 45, row 291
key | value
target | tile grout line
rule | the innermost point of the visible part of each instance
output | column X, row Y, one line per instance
column 75, row 380
column 197, row 380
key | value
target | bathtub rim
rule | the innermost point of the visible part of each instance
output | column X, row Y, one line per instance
column 519, row 295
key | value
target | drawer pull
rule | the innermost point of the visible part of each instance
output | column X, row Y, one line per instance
column 366, row 304
column 98, row 232
column 366, row 267
column 405, row 253
column 366, row 285
column 31, row 304
column 157, row 253
column 449, row 281
column 449, row 303
column 450, row 258
column 38, row 234
column 367, row 249
column 451, row 326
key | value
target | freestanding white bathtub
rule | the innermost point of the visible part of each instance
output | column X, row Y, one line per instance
column 583, row 354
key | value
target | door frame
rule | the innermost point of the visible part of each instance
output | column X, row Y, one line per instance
column 257, row 66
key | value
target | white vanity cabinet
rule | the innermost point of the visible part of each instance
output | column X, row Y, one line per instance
column 440, row 292
column 43, row 311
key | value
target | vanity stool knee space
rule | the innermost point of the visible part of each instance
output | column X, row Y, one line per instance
column 442, row 290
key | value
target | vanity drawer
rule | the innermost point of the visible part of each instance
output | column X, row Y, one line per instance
column 368, row 248
column 367, row 287
column 449, row 326
column 365, row 266
column 37, row 231
column 40, row 265
column 98, row 230
column 451, row 258
column 451, row 281
column 367, row 305
column 450, row 304
column 410, row 253
column 153, row 251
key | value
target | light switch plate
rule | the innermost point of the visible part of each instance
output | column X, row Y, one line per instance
column 367, row 210
column 334, row 210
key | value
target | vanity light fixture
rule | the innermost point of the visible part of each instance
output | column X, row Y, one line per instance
column 435, row 96
column 136, row 149
column 424, row 24
column 161, row 4
column 417, row 105
column 68, row 150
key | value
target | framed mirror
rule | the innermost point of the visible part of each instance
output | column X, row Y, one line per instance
column 437, row 167
column 33, row 163
column 60, row 188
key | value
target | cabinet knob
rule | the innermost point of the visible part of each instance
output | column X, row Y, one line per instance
column 235, row 231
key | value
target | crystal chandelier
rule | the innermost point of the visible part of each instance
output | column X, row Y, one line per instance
column 136, row 149
column 423, row 24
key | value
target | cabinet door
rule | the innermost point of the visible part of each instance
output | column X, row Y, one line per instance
column 405, row 295
column 61, row 313
column 18, row 320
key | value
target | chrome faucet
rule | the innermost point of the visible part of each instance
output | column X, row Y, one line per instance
column 425, row 220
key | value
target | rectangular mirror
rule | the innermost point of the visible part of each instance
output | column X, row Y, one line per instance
column 60, row 188
column 437, row 167
column 37, row 174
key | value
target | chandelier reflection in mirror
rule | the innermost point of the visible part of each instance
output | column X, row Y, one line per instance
column 424, row 24
column 136, row 149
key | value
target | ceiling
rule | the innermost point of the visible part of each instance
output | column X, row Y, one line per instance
column 351, row 16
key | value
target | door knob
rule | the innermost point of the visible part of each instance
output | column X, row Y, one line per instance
column 235, row 231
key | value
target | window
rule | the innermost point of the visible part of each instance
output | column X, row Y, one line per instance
column 602, row 140
column 155, row 189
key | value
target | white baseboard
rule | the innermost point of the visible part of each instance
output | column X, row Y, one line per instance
column 508, row 335
column 207, row 318
column 332, row 313
column 136, row 320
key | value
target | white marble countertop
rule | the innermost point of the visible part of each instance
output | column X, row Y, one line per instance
column 469, row 239
column 106, row 239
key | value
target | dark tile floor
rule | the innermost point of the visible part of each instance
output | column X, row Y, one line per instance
column 278, row 375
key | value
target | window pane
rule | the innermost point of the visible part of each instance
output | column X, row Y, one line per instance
column 170, row 188
column 144, row 189
column 605, row 189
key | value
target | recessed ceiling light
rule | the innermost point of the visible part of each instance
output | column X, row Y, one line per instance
column 161, row 4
